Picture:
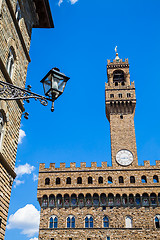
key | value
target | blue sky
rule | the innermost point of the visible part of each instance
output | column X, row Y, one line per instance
column 85, row 35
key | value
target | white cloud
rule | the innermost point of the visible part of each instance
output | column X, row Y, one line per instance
column 33, row 238
column 24, row 169
column 35, row 177
column 59, row 3
column 22, row 134
column 71, row 1
column 27, row 219
column 21, row 170
column 17, row 182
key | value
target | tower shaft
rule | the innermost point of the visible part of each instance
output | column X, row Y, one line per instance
column 120, row 109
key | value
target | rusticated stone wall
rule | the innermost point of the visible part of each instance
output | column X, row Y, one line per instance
column 143, row 217
column 14, row 35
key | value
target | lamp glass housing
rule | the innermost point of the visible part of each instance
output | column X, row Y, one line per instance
column 54, row 83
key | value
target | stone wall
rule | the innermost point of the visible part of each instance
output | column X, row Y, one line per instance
column 143, row 226
column 12, row 35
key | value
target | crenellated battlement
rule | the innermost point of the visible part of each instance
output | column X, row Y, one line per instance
column 73, row 166
column 118, row 64
column 93, row 166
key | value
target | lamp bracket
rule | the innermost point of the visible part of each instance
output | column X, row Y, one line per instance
column 10, row 92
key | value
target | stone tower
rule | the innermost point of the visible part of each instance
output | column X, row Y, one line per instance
column 17, row 18
column 120, row 109
column 120, row 202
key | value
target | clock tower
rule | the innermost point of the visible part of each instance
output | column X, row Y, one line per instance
column 120, row 101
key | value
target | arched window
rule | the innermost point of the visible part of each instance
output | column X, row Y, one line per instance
column 90, row 180
column 103, row 199
column 18, row 12
column 155, row 179
column 131, row 199
column 145, row 199
column 10, row 63
column 128, row 222
column 158, row 199
column 121, row 180
column 138, row 199
column 68, row 180
column 132, row 179
column 110, row 180
column 106, row 222
column 88, row 200
column 59, row 200
column 86, row 222
column 73, row 200
column 118, row 200
column 2, row 122
column 118, row 76
column 47, row 181
column 51, row 200
column 100, row 180
column 143, row 179
column 153, row 199
column 95, row 200
column 110, row 199
column 71, row 222
column 79, row 180
column 44, row 201
column 157, row 221
column 53, row 222
column 124, row 199
column 58, row 180
column 66, row 200
column 81, row 200
column 89, row 221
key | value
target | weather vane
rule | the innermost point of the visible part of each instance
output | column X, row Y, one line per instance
column 115, row 49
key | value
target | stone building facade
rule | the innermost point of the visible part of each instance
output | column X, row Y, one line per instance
column 17, row 18
column 121, row 201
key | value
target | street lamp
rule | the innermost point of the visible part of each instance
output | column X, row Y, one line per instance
column 53, row 83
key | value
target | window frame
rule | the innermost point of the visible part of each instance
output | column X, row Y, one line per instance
column 2, row 128
column 129, row 223
column 106, row 222
column 79, row 180
column 10, row 65
column 71, row 221
column 58, row 181
column 157, row 225
column 47, row 181
column 89, row 221
column 54, row 222
column 18, row 13
column 90, row 180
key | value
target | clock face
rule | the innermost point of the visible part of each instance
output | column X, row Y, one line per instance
column 124, row 157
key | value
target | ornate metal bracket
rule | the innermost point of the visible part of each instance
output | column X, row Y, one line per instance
column 10, row 92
